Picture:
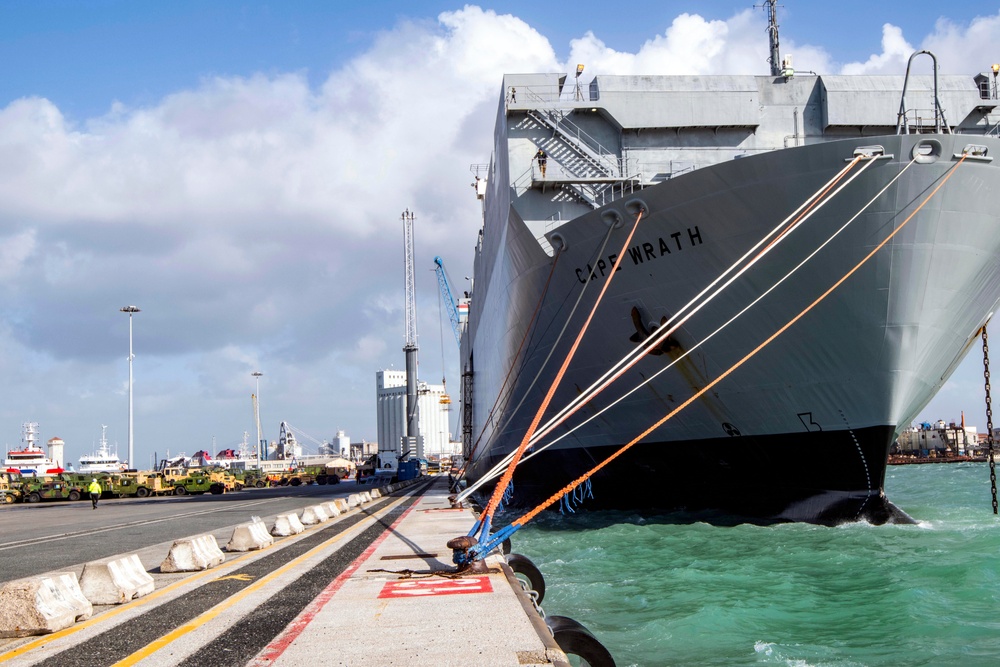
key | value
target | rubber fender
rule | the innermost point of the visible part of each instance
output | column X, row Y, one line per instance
column 575, row 639
column 522, row 565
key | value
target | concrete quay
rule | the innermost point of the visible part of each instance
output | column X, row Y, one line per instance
column 397, row 605
column 372, row 586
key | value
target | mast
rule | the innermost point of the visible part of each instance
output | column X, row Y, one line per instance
column 410, row 348
column 772, row 36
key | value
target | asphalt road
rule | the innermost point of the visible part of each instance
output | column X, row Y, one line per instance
column 52, row 535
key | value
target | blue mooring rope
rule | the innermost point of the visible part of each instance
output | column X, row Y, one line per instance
column 488, row 543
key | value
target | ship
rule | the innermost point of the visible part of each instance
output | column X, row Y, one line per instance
column 102, row 459
column 29, row 458
column 778, row 272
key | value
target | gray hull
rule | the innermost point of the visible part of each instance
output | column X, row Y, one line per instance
column 802, row 429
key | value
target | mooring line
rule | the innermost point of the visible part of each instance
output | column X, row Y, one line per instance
column 464, row 555
column 797, row 217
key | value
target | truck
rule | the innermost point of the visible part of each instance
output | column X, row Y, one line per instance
column 37, row 489
column 224, row 480
column 10, row 487
column 193, row 481
column 143, row 484
column 309, row 474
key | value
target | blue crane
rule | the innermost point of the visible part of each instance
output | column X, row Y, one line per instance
column 449, row 299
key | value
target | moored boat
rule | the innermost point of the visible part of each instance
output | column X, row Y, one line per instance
column 812, row 257
column 29, row 458
column 102, row 459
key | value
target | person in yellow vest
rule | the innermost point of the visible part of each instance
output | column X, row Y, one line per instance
column 95, row 492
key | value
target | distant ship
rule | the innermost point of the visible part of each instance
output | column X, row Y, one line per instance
column 29, row 459
column 102, row 460
column 761, row 199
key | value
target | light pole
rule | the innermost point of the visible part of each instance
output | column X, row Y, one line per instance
column 130, row 310
column 256, row 412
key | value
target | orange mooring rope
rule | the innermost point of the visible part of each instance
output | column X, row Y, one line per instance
column 498, row 491
column 580, row 480
column 652, row 341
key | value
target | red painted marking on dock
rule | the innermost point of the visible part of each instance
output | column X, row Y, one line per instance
column 414, row 588
column 443, row 509
column 273, row 651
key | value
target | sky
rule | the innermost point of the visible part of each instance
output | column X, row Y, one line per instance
column 238, row 171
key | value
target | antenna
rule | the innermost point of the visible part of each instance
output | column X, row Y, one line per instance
column 411, row 304
column 772, row 36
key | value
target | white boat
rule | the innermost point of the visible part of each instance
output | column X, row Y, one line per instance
column 30, row 459
column 102, row 460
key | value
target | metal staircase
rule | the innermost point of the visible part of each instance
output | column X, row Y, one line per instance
column 578, row 163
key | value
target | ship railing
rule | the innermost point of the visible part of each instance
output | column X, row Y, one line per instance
column 527, row 97
column 575, row 136
column 993, row 131
column 903, row 124
column 920, row 121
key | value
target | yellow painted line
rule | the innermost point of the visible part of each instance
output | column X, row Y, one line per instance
column 111, row 613
column 198, row 621
column 83, row 625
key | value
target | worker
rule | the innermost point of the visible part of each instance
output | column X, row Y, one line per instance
column 95, row 492
column 542, row 159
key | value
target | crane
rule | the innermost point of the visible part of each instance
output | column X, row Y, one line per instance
column 449, row 299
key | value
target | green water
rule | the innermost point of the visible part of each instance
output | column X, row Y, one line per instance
column 659, row 591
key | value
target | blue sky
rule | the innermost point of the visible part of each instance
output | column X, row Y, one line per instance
column 237, row 170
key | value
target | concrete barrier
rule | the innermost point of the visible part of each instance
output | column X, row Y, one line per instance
column 313, row 514
column 287, row 524
column 376, row 494
column 331, row 509
column 341, row 505
column 115, row 580
column 192, row 554
column 354, row 500
column 250, row 536
column 42, row 605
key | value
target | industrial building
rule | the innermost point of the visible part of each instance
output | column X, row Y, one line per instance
column 433, row 409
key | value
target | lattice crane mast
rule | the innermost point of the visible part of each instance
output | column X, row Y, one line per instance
column 449, row 299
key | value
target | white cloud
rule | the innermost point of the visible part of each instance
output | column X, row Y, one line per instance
column 256, row 219
column 960, row 49
column 895, row 52
column 15, row 251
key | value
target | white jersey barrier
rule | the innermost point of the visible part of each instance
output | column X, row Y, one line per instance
column 250, row 536
column 341, row 505
column 376, row 494
column 192, row 554
column 313, row 514
column 287, row 524
column 366, row 497
column 331, row 509
column 42, row 605
column 115, row 580
column 354, row 500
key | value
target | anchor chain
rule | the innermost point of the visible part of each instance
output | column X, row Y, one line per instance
column 989, row 421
